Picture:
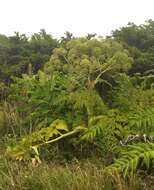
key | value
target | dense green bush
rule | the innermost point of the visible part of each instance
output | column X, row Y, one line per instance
column 88, row 101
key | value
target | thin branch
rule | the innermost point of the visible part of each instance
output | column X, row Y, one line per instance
column 60, row 137
column 97, row 78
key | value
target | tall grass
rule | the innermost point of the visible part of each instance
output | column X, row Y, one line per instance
column 76, row 176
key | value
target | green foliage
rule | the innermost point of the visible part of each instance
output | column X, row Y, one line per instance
column 44, row 95
column 88, row 100
column 108, row 125
column 135, row 99
column 27, row 148
column 142, row 120
column 18, row 52
column 141, row 36
column 131, row 93
column 103, row 89
column 87, row 61
column 139, row 41
column 39, row 94
column 134, row 157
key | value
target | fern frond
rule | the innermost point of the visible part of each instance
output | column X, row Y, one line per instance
column 142, row 120
column 107, row 124
column 134, row 157
column 97, row 126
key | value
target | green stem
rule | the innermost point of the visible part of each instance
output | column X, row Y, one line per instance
column 58, row 138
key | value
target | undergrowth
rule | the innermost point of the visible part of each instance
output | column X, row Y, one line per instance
column 83, row 175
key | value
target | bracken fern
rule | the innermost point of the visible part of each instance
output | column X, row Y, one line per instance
column 133, row 158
